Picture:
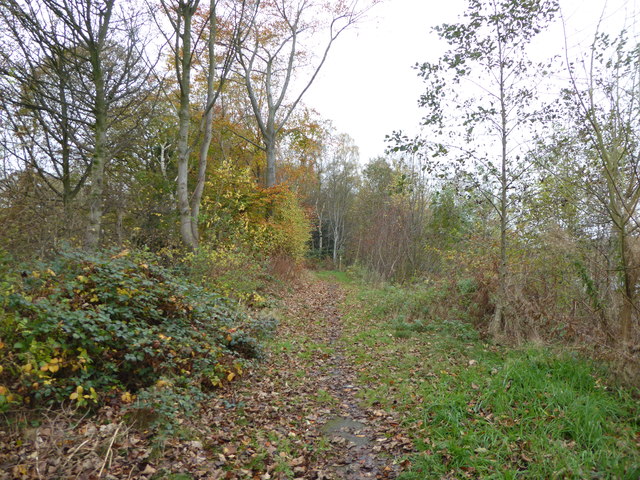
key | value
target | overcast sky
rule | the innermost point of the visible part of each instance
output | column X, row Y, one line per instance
column 368, row 88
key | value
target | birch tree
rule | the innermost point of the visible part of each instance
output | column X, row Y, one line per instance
column 182, row 40
column 338, row 189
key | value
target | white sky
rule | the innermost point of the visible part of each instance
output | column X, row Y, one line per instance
column 368, row 88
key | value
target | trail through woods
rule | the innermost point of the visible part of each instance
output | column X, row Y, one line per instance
column 305, row 396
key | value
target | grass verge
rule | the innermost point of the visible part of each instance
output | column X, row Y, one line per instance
column 476, row 410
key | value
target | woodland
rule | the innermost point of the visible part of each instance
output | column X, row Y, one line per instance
column 201, row 278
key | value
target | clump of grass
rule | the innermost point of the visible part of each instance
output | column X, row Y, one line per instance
column 414, row 302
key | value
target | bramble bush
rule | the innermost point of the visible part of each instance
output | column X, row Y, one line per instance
column 93, row 328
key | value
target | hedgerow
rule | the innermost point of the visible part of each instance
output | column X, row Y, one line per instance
column 91, row 328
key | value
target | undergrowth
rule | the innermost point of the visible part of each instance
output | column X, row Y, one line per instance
column 477, row 410
column 90, row 329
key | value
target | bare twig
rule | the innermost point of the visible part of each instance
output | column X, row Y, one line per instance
column 109, row 451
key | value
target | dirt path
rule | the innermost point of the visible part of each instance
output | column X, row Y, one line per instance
column 347, row 425
column 299, row 416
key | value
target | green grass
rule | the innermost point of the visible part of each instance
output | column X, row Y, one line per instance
column 335, row 276
column 479, row 411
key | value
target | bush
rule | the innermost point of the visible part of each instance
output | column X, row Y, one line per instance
column 89, row 327
column 261, row 221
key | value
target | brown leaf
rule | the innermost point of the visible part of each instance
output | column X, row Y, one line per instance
column 148, row 470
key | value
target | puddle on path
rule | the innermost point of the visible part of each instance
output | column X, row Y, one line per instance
column 346, row 428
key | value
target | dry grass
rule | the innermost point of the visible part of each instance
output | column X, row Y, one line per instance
column 62, row 445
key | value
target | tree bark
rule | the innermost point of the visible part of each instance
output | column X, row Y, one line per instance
column 207, row 127
column 271, row 163
column 184, row 118
column 92, row 238
column 96, row 48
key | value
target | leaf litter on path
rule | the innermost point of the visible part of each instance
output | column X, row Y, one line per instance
column 299, row 410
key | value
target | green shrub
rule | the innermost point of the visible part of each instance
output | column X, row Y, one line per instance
column 91, row 326
column 467, row 287
column 261, row 221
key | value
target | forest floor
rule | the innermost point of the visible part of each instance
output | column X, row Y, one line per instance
column 348, row 391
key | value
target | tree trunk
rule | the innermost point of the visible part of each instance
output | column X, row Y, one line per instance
column 163, row 160
column 207, row 128
column 270, row 145
column 627, row 290
column 119, row 225
column 498, row 325
column 184, row 117
column 92, row 237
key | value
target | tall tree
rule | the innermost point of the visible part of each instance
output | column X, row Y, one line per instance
column 339, row 186
column 275, row 49
column 182, row 39
column 487, row 53
column 603, row 103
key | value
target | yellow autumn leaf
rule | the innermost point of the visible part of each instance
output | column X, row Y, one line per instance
column 51, row 272
column 1, row 345
column 20, row 470
column 27, row 368
column 74, row 396
column 122, row 254
column 54, row 368
column 126, row 397
column 231, row 376
column 3, row 390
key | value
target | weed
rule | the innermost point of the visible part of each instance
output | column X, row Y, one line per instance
column 325, row 398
